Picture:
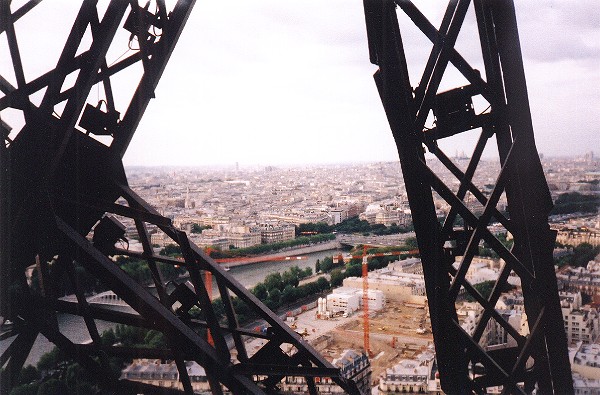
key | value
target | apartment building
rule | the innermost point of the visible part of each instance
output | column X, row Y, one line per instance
column 577, row 236
column 274, row 233
column 245, row 239
column 157, row 373
column 585, row 280
column 353, row 365
column 414, row 376
column 580, row 322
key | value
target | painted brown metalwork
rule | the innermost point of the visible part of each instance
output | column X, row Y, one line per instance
column 540, row 358
column 63, row 185
column 64, row 189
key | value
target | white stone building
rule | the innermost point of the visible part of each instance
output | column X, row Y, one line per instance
column 244, row 239
column 154, row 372
column 273, row 233
column 411, row 376
column 343, row 301
column 585, row 360
column 353, row 365
column 408, row 265
column 585, row 386
column 580, row 322
column 349, row 299
column 398, row 286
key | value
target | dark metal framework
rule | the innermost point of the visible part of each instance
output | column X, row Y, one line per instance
column 63, row 185
column 539, row 358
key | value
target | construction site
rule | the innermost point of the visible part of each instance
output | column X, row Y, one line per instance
column 394, row 333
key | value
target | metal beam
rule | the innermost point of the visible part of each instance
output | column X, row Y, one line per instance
column 520, row 178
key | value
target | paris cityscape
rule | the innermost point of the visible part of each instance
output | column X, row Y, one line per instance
column 266, row 197
column 240, row 208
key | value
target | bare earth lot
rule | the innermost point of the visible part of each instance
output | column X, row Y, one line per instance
column 393, row 334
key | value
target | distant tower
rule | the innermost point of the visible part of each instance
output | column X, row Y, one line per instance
column 237, row 166
column 188, row 203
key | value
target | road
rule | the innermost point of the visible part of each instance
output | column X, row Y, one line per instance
column 378, row 241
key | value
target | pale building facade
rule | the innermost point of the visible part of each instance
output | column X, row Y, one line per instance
column 580, row 322
column 353, row 365
column 154, row 372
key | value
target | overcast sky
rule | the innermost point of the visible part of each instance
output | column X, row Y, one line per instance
column 288, row 82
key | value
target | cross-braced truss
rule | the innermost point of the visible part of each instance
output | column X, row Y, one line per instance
column 466, row 364
column 63, row 186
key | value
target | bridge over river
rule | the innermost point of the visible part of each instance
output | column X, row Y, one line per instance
column 376, row 241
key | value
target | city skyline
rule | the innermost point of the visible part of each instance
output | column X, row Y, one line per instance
column 285, row 83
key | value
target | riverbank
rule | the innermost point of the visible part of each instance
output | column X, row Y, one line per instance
column 289, row 252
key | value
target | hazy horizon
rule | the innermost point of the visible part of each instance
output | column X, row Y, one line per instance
column 243, row 166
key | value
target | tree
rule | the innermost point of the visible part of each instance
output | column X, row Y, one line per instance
column 290, row 278
column 108, row 337
column 327, row 264
column 171, row 250
column 52, row 387
column 288, row 295
column 584, row 253
column 130, row 335
column 138, row 270
column 199, row 228
column 337, row 277
column 274, row 300
column 49, row 360
column 273, row 281
column 377, row 263
column 75, row 377
column 311, row 228
column 260, row 291
column 353, row 270
column 155, row 339
column 295, row 271
column 171, row 272
column 87, row 282
column 573, row 202
column 411, row 243
column 25, row 389
column 318, row 266
column 322, row 284
column 353, row 225
column 307, row 273
column 485, row 289
column 28, row 375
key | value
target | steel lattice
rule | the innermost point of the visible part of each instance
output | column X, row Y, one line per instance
column 63, row 184
column 539, row 358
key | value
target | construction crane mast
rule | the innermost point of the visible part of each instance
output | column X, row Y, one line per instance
column 365, row 301
column 425, row 117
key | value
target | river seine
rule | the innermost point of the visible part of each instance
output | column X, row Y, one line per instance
column 248, row 276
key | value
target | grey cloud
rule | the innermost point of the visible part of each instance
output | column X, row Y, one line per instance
column 559, row 30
